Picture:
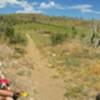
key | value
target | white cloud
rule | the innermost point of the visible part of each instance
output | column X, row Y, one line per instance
column 2, row 6
column 50, row 4
column 84, row 8
column 23, row 4
column 27, row 8
column 3, row 3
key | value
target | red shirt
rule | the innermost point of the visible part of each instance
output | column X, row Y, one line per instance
column 4, row 81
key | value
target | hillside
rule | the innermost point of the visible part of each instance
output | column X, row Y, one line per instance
column 53, row 58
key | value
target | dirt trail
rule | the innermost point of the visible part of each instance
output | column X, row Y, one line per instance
column 45, row 87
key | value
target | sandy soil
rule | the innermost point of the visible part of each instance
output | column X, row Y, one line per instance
column 45, row 87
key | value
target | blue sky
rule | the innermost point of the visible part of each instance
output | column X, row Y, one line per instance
column 72, row 8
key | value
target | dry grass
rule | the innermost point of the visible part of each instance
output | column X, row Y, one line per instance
column 78, row 64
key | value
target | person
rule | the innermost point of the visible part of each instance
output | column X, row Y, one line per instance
column 5, row 91
column 98, row 96
column 8, row 95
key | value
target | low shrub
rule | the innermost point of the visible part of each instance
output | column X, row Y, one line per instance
column 74, row 32
column 72, row 62
column 15, row 38
column 57, row 38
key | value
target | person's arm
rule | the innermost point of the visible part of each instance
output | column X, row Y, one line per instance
column 6, row 93
column 11, row 94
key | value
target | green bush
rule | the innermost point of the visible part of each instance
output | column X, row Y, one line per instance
column 74, row 32
column 72, row 61
column 3, row 27
column 9, row 32
column 15, row 38
column 57, row 38
column 83, row 36
column 18, row 38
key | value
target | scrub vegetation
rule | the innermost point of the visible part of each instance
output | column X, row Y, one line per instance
column 70, row 45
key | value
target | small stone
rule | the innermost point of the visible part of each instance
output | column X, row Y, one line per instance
column 54, row 55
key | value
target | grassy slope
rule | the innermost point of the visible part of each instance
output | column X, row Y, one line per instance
column 77, row 63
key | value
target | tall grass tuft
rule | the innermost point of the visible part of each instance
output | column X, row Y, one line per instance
column 57, row 38
column 15, row 38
